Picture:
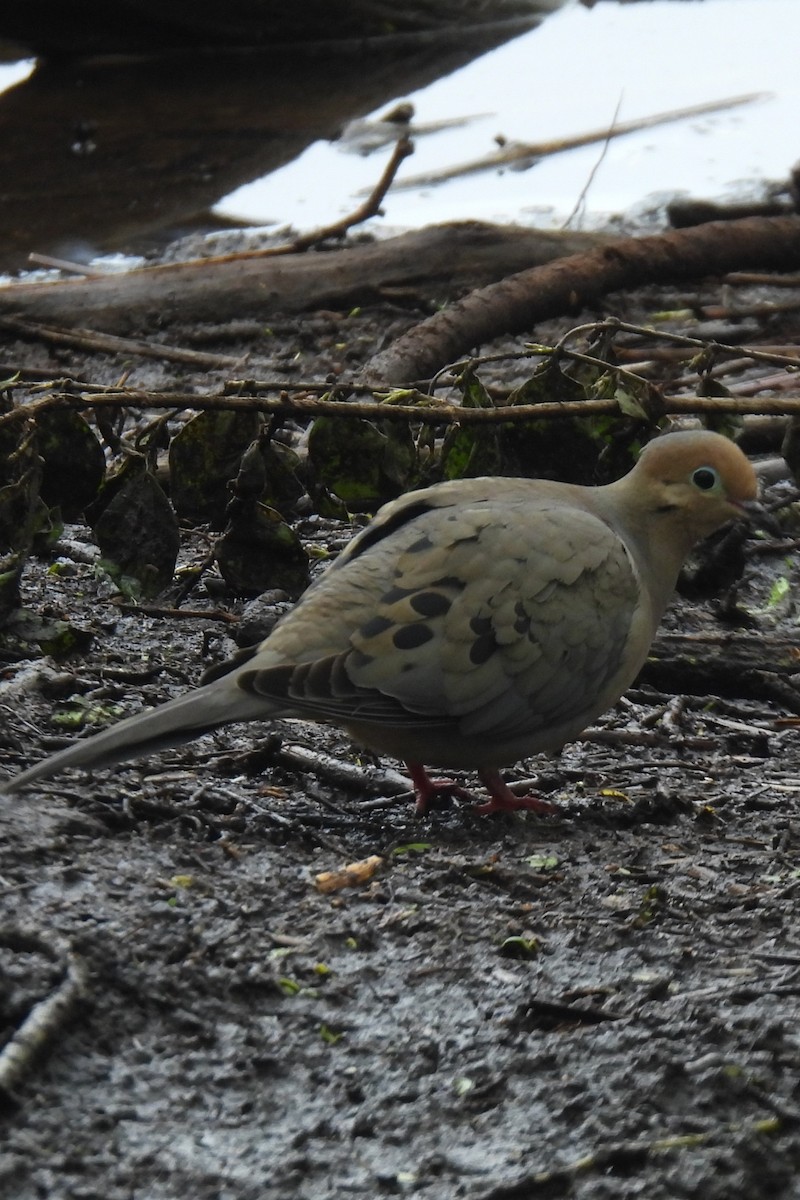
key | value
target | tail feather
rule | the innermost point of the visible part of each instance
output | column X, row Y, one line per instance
column 170, row 724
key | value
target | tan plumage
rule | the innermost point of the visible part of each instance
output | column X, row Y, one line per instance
column 472, row 623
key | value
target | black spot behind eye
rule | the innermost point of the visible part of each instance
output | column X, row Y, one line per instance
column 705, row 478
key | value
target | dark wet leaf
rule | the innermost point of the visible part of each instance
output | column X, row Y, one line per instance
column 578, row 450
column 360, row 462
column 282, row 487
column 473, row 393
column 137, row 531
column 203, row 459
column 74, row 462
column 258, row 550
column 566, row 450
column 549, row 382
column 729, row 424
column 10, row 571
column 328, row 505
column 629, row 403
column 58, row 638
column 22, row 513
column 542, row 449
column 470, row 450
column 399, row 456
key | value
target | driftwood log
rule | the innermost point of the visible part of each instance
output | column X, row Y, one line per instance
column 516, row 303
column 736, row 665
column 431, row 264
column 537, row 275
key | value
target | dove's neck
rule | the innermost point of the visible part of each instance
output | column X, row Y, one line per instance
column 658, row 539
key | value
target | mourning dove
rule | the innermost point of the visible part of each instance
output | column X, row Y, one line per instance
column 471, row 623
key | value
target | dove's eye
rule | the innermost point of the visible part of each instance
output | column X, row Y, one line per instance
column 705, row 478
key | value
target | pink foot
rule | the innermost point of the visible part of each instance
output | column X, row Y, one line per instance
column 427, row 789
column 502, row 798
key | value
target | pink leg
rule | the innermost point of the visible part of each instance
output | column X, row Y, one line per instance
column 504, row 800
column 427, row 789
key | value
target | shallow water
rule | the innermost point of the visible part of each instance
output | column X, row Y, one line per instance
column 582, row 69
column 117, row 158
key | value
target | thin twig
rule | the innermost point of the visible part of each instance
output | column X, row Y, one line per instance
column 516, row 152
column 581, row 200
column 759, row 278
column 612, row 324
column 190, row 614
column 371, row 207
column 253, row 395
column 66, row 266
column 340, row 772
column 107, row 343
column 428, row 414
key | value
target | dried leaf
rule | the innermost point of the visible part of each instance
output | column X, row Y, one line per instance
column 350, row 876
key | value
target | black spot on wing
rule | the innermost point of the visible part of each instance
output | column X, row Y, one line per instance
column 451, row 582
column 397, row 593
column 409, row 637
column 431, row 604
column 375, row 626
column 482, row 649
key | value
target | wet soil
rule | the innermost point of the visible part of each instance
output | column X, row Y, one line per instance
column 602, row 1003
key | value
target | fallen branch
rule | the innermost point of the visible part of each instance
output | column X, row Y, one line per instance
column 517, row 153
column 736, row 665
column 342, row 773
column 571, row 284
column 370, row 208
column 429, row 411
column 433, row 263
column 47, row 1018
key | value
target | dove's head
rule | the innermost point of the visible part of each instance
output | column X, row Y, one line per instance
column 693, row 482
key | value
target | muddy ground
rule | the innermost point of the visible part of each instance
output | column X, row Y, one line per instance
column 602, row 1003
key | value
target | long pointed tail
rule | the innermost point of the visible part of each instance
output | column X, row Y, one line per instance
column 170, row 724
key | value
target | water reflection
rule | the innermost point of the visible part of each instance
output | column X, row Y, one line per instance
column 101, row 155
